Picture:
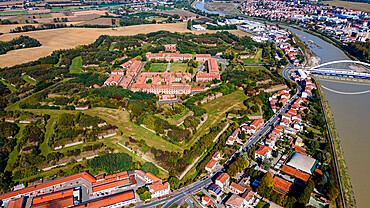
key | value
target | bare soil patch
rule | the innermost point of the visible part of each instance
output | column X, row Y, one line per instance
column 240, row 33
column 99, row 21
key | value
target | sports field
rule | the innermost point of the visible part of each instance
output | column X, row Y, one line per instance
column 65, row 38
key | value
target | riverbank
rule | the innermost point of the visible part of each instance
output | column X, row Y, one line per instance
column 339, row 162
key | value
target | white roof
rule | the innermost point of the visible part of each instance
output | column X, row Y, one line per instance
column 302, row 162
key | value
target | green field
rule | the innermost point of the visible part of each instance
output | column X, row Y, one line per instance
column 172, row 119
column 257, row 59
column 217, row 111
column 14, row 12
column 158, row 67
column 164, row 8
column 28, row 79
column 9, row 86
column 76, row 66
column 178, row 67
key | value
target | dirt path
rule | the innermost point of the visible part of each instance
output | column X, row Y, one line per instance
column 196, row 160
column 181, row 120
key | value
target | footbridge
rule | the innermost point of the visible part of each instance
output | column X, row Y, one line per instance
column 322, row 69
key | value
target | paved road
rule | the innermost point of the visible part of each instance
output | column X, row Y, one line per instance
column 178, row 197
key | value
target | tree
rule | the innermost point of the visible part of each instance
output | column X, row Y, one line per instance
column 265, row 184
column 143, row 193
column 150, row 167
column 174, row 182
column 333, row 193
column 305, row 196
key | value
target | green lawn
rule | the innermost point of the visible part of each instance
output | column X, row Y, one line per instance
column 44, row 147
column 28, row 79
column 14, row 12
column 14, row 154
column 257, row 59
column 172, row 119
column 164, row 8
column 9, row 86
column 158, row 67
column 121, row 119
column 178, row 67
column 217, row 111
column 76, row 66
column 261, row 204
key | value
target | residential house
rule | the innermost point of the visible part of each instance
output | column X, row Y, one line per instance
column 157, row 189
column 150, row 178
column 249, row 198
column 236, row 189
column 223, row 180
column 235, row 201
column 263, row 152
column 211, row 165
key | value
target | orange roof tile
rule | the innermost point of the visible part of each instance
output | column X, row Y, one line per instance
column 108, row 200
column 120, row 183
column 158, row 186
column 237, row 187
column 52, row 196
column 57, row 203
column 296, row 173
column 152, row 177
column 29, row 189
column 211, row 164
column 223, row 177
column 282, row 184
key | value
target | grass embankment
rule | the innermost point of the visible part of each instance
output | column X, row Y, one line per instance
column 76, row 66
column 217, row 109
column 29, row 80
column 343, row 175
column 257, row 59
column 9, row 86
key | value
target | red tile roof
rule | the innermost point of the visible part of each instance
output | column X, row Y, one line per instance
column 296, row 173
column 108, row 200
column 17, row 203
column 223, row 177
column 237, row 187
column 120, row 183
column 152, row 177
column 211, row 164
column 158, row 186
column 29, row 189
column 282, row 184
column 57, row 203
column 52, row 196
column 262, row 150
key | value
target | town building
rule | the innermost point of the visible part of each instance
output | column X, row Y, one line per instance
column 223, row 180
column 168, row 56
column 202, row 57
column 236, row 189
column 236, row 201
column 211, row 165
column 263, row 152
column 158, row 189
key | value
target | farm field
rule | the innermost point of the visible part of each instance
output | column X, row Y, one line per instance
column 178, row 67
column 349, row 5
column 76, row 66
column 55, row 39
column 158, row 67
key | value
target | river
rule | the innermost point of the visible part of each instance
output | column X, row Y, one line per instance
column 200, row 6
column 351, row 116
column 350, row 113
